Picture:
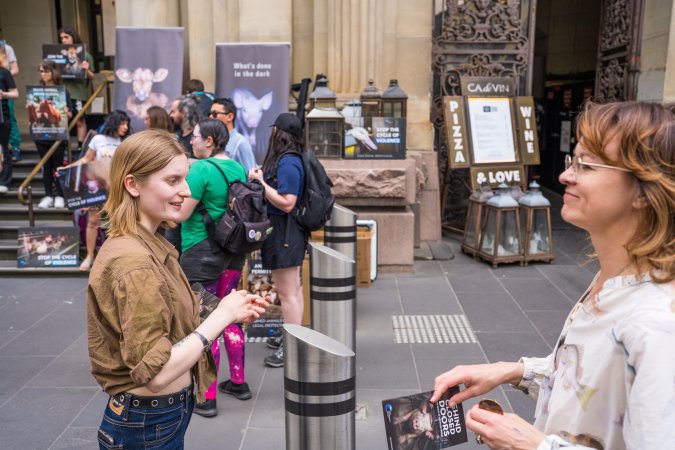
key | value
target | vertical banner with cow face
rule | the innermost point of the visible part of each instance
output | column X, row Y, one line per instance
column 257, row 79
column 148, row 70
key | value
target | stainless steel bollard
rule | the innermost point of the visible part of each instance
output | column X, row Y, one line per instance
column 339, row 233
column 332, row 294
column 319, row 391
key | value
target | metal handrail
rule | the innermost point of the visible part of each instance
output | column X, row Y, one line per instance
column 20, row 195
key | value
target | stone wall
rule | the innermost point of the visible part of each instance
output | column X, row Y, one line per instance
column 348, row 40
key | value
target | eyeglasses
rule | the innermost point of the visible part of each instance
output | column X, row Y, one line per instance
column 578, row 166
column 196, row 136
column 64, row 36
column 216, row 113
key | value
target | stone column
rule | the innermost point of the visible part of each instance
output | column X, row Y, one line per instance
column 669, row 75
column 355, row 40
column 657, row 60
column 148, row 13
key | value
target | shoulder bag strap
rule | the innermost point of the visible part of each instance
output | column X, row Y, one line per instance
column 208, row 221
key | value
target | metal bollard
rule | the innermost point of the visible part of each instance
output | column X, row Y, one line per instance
column 339, row 233
column 333, row 294
column 319, row 391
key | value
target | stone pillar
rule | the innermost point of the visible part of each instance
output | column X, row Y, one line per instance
column 355, row 40
column 265, row 21
column 148, row 13
column 657, row 60
column 669, row 75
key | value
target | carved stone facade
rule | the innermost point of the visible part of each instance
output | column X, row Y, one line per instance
column 619, row 49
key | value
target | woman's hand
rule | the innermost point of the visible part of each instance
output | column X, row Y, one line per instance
column 477, row 380
column 242, row 306
column 506, row 431
column 255, row 174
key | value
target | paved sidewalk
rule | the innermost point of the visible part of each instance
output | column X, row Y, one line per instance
column 49, row 400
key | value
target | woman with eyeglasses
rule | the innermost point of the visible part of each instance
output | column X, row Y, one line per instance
column 50, row 75
column 202, row 260
column 610, row 381
column 80, row 90
column 148, row 349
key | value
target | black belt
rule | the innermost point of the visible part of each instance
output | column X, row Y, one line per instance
column 160, row 401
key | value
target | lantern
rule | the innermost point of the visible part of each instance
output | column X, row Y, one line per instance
column 370, row 101
column 393, row 101
column 324, row 123
column 474, row 219
column 500, row 240
column 535, row 215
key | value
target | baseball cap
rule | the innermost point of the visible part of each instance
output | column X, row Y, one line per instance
column 290, row 123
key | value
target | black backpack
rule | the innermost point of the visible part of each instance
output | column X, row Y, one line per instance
column 245, row 225
column 316, row 202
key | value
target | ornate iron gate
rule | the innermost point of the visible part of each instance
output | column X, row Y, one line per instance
column 619, row 49
column 476, row 38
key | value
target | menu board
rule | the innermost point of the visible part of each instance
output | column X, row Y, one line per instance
column 491, row 128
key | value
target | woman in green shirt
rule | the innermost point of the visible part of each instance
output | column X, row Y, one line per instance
column 205, row 262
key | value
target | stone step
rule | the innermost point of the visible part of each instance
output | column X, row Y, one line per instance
column 8, row 248
column 8, row 269
column 8, row 228
column 17, row 211
column 12, row 196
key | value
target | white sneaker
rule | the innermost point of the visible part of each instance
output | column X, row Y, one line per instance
column 46, row 202
column 3, row 189
column 59, row 202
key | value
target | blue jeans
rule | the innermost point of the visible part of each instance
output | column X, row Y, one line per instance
column 146, row 428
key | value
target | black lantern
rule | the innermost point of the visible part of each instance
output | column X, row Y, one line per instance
column 324, row 127
column 474, row 219
column 535, row 215
column 500, row 240
column 370, row 101
column 394, row 101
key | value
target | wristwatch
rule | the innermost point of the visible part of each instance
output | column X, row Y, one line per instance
column 206, row 342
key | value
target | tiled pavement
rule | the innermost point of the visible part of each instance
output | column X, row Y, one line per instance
column 49, row 400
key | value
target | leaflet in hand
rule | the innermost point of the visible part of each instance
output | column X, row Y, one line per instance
column 414, row 423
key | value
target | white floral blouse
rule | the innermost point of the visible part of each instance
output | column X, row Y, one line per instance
column 610, row 382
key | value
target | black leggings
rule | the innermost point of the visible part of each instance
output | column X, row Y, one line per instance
column 51, row 183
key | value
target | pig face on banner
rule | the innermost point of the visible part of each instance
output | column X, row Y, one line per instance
column 250, row 108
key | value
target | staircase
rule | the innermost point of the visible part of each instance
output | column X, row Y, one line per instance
column 14, row 215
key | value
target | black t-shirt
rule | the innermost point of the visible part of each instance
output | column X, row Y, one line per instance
column 186, row 141
column 6, row 83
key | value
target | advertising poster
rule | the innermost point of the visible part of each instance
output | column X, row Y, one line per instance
column 48, row 247
column 414, row 423
column 148, row 70
column 68, row 58
column 375, row 138
column 257, row 79
column 491, row 126
column 85, row 185
column 47, row 113
column 259, row 282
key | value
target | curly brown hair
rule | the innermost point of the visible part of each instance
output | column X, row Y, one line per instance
column 646, row 136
